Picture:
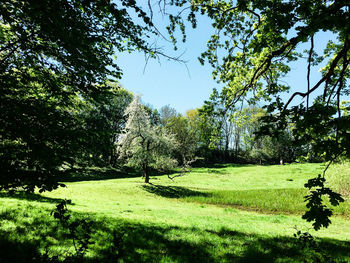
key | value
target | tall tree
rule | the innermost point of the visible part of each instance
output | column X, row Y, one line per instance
column 143, row 145
column 166, row 112
column 186, row 133
column 225, row 132
column 55, row 57
column 106, row 119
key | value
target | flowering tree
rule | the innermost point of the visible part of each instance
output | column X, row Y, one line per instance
column 142, row 145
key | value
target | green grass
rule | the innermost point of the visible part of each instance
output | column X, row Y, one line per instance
column 224, row 213
column 338, row 176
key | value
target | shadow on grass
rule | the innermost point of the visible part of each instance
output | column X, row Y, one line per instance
column 219, row 168
column 29, row 197
column 171, row 191
column 95, row 173
column 221, row 165
column 155, row 243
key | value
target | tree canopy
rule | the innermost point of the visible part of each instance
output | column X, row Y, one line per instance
column 55, row 59
column 259, row 38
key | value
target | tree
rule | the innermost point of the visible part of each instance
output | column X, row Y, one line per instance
column 142, row 145
column 153, row 114
column 55, row 59
column 258, row 40
column 107, row 119
column 215, row 111
column 166, row 112
column 186, row 134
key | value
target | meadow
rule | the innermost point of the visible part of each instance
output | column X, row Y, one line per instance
column 219, row 213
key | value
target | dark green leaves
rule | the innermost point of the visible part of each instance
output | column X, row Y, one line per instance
column 318, row 212
column 55, row 61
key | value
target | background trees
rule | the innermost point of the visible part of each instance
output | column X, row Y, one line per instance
column 186, row 134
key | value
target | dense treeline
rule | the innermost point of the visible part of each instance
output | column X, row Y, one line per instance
column 217, row 133
column 214, row 133
column 211, row 133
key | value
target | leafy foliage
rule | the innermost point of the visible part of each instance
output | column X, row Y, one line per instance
column 106, row 120
column 318, row 212
column 79, row 229
column 55, row 59
column 186, row 134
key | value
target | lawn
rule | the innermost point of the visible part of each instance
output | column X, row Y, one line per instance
column 223, row 213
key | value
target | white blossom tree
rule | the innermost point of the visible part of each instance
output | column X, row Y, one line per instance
column 142, row 145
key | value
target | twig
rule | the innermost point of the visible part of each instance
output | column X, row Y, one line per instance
column 308, row 72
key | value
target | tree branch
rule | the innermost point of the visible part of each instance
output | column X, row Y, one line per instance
column 325, row 77
column 308, row 71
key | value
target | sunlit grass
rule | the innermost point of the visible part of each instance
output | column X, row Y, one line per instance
column 338, row 177
column 288, row 201
column 226, row 213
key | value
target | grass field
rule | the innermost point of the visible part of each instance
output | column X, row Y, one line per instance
column 223, row 213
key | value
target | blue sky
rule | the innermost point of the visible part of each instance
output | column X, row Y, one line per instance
column 163, row 82
column 186, row 87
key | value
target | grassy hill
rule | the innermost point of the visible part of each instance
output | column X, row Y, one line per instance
column 223, row 213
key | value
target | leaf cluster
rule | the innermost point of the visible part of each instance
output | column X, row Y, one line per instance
column 79, row 230
column 318, row 211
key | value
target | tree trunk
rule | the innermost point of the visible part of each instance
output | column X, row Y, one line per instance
column 113, row 160
column 146, row 174
column 113, row 157
column 145, row 165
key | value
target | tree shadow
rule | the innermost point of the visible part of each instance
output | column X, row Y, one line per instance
column 105, row 173
column 260, row 248
column 140, row 242
column 96, row 174
column 19, row 252
column 171, row 191
column 22, row 195
column 221, row 165
column 219, row 168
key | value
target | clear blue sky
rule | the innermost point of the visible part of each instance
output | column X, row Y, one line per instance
column 182, row 86
column 186, row 87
